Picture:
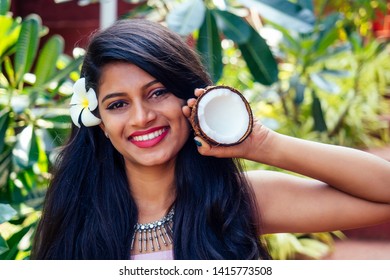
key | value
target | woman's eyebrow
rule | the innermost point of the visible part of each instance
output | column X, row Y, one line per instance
column 145, row 86
column 112, row 95
column 116, row 94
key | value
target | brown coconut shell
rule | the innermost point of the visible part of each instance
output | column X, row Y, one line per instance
column 195, row 121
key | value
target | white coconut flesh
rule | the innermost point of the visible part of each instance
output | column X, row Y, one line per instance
column 223, row 116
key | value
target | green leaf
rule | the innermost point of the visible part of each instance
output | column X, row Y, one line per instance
column 5, row 166
column 307, row 4
column 328, row 35
column 356, row 41
column 13, row 243
column 4, row 6
column 186, row 17
column 47, row 59
column 371, row 50
column 299, row 89
column 325, row 42
column 319, row 80
column 141, row 10
column 65, row 72
column 35, row 199
column 4, row 122
column 42, row 161
column 27, row 179
column 3, row 84
column 233, row 27
column 26, row 151
column 33, row 153
column 9, row 33
column 3, row 246
column 330, row 21
column 299, row 93
column 282, row 246
column 260, row 61
column 6, row 212
column 27, row 46
column 313, row 248
column 209, row 45
column 289, row 15
column 9, row 70
column 318, row 115
column 292, row 43
column 330, row 53
column 336, row 73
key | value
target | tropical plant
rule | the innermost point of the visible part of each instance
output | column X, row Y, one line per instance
column 358, row 14
column 322, row 80
column 309, row 83
column 6, row 213
column 34, row 85
column 285, row 246
column 332, row 82
column 207, row 23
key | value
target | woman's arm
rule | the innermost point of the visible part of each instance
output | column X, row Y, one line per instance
column 348, row 188
column 349, row 170
column 352, row 171
column 290, row 203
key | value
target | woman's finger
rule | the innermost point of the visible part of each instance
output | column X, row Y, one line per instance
column 191, row 102
column 199, row 91
column 186, row 111
column 206, row 149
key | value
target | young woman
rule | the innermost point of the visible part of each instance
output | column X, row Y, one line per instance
column 132, row 183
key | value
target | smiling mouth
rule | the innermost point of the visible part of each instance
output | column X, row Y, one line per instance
column 148, row 136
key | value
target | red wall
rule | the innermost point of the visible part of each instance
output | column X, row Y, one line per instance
column 71, row 21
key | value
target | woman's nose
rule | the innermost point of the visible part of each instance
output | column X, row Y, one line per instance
column 142, row 115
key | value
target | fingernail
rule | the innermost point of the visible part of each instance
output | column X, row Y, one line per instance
column 199, row 144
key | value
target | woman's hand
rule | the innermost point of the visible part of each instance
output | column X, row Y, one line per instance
column 243, row 150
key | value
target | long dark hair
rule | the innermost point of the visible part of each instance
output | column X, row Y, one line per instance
column 89, row 212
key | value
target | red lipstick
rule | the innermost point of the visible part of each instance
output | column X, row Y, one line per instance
column 149, row 138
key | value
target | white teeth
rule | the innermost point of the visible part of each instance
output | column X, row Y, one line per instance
column 149, row 136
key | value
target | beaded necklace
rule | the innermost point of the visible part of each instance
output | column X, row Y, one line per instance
column 154, row 232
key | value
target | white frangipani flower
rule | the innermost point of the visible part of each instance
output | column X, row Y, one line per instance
column 83, row 102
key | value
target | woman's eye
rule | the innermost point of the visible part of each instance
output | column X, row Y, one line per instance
column 116, row 105
column 159, row 92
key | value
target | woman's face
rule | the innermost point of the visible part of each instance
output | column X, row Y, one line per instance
column 142, row 119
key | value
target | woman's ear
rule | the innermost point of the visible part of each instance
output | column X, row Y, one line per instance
column 104, row 129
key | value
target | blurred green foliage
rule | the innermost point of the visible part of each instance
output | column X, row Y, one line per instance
column 34, row 86
column 312, row 70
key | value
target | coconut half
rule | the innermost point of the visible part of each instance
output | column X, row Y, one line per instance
column 222, row 116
